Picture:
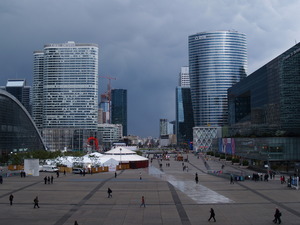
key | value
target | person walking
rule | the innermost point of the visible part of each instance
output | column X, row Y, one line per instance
column 52, row 179
column 45, row 179
column 231, row 179
column 109, row 191
column 115, row 174
column 196, row 178
column 277, row 216
column 11, row 198
column 212, row 215
column 36, row 202
column 143, row 202
column 75, row 223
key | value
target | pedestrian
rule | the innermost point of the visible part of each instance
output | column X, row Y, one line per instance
column 1, row 179
column 36, row 202
column 115, row 174
column 140, row 175
column 57, row 174
column 109, row 191
column 231, row 179
column 212, row 215
column 75, row 223
column 65, row 175
column 196, row 178
column 48, row 179
column 277, row 216
column 143, row 202
column 11, row 198
column 52, row 179
column 45, row 179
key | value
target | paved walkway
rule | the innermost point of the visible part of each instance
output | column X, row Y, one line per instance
column 171, row 196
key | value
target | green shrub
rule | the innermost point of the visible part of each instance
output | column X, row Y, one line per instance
column 235, row 160
column 228, row 158
column 245, row 163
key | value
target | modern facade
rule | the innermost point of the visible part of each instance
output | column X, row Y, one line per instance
column 19, row 89
column 203, row 137
column 163, row 127
column 267, row 102
column 37, row 90
column 17, row 131
column 109, row 134
column 119, row 108
column 66, row 92
column 184, row 77
column 217, row 61
column 184, row 117
column 264, row 115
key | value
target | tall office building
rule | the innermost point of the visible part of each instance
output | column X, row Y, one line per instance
column 37, row 90
column 184, row 77
column 65, row 91
column 163, row 127
column 184, row 116
column 19, row 89
column 119, row 108
column 217, row 60
column 184, row 110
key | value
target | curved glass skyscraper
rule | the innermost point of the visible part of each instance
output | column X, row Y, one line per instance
column 217, row 60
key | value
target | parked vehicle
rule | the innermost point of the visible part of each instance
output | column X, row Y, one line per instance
column 48, row 168
column 77, row 170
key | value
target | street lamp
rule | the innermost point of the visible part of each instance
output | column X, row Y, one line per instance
column 120, row 157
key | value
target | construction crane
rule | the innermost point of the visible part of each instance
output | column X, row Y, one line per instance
column 108, row 93
column 107, row 96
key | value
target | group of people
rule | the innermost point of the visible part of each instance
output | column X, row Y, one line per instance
column 48, row 179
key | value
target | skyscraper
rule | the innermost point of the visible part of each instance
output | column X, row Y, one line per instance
column 65, row 89
column 184, row 110
column 18, row 88
column 163, row 127
column 184, row 77
column 119, row 108
column 217, row 60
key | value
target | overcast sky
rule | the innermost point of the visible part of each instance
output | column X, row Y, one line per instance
column 143, row 43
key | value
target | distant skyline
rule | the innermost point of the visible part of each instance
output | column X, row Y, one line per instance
column 142, row 43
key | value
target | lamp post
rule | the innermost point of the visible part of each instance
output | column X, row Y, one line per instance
column 120, row 158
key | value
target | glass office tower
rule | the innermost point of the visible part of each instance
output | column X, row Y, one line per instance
column 119, row 108
column 184, row 116
column 217, row 60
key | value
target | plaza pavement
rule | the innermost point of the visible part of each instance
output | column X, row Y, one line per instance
column 172, row 197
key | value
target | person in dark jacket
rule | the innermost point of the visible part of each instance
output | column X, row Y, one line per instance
column 277, row 216
column 11, row 198
column 109, row 191
column 36, row 202
column 212, row 215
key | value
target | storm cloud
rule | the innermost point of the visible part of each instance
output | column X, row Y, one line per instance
column 142, row 43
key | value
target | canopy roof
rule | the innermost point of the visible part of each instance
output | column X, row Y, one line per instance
column 120, row 151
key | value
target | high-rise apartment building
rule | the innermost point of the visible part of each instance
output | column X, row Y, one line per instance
column 65, row 90
column 217, row 60
column 119, row 108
